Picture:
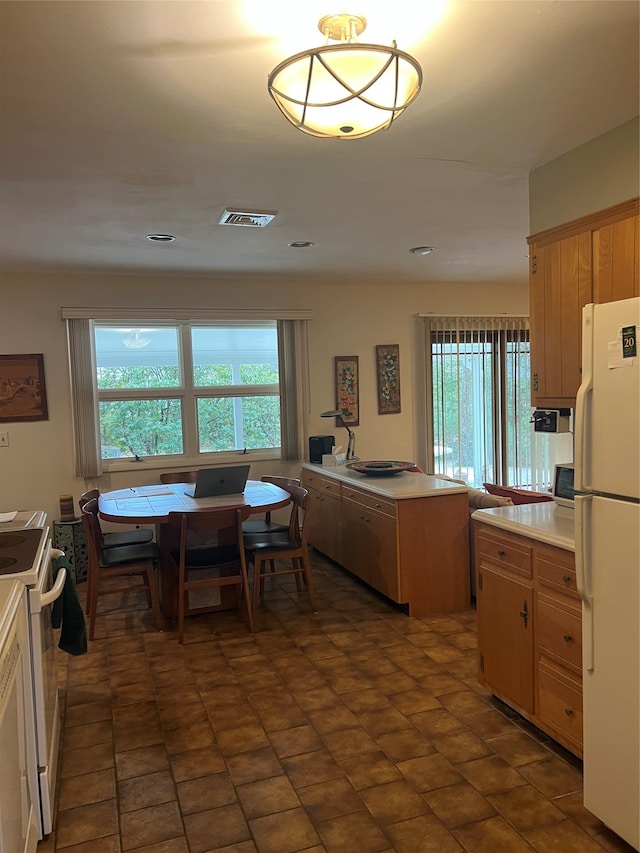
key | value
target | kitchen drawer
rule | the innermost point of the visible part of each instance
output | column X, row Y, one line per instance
column 557, row 571
column 322, row 484
column 560, row 702
column 506, row 553
column 388, row 507
column 559, row 632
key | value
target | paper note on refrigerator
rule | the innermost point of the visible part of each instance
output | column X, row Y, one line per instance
column 614, row 355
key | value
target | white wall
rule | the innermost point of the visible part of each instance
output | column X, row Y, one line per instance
column 38, row 465
column 602, row 172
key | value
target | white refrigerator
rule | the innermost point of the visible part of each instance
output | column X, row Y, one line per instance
column 607, row 519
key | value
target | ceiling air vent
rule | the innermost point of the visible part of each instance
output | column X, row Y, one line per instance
column 247, row 218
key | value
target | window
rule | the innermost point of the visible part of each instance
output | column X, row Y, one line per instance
column 479, row 410
column 188, row 390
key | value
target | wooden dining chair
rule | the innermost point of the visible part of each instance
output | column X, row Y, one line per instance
column 290, row 546
column 121, row 537
column 179, row 477
column 126, row 562
column 210, row 566
column 265, row 524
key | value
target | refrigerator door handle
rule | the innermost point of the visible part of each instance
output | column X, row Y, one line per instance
column 583, row 576
column 583, row 403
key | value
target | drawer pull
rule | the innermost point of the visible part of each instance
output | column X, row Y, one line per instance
column 567, row 638
column 566, row 578
column 569, row 712
column 501, row 553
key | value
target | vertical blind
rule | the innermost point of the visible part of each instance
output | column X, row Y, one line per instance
column 478, row 410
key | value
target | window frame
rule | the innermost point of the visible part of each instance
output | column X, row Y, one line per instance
column 292, row 388
column 188, row 393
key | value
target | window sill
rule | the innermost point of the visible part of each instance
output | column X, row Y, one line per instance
column 158, row 463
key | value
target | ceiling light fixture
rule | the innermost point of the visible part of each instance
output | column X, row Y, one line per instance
column 422, row 250
column 346, row 90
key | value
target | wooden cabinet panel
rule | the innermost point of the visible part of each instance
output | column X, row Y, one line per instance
column 325, row 529
column 555, row 569
column 370, row 549
column 560, row 706
column 560, row 285
column 559, row 632
column 592, row 259
column 505, row 636
column 370, row 500
column 509, row 554
column 616, row 261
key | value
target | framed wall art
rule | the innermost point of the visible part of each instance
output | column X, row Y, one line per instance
column 388, row 376
column 23, row 395
column 347, row 382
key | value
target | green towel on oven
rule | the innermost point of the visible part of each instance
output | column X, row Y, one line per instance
column 68, row 613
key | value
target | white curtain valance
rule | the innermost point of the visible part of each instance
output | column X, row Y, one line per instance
column 193, row 315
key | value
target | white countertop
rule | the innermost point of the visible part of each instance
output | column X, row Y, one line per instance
column 406, row 484
column 543, row 521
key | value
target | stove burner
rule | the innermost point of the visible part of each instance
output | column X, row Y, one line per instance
column 19, row 549
column 10, row 540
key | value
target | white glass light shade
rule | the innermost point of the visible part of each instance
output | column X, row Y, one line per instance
column 345, row 91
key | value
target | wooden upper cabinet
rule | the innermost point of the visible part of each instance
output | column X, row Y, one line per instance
column 592, row 259
column 560, row 285
column 616, row 260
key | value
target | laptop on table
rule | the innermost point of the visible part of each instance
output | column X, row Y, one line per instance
column 212, row 482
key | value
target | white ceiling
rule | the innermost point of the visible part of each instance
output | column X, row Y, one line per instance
column 120, row 119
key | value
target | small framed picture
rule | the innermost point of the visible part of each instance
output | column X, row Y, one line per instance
column 23, row 395
column 388, row 376
column 347, row 381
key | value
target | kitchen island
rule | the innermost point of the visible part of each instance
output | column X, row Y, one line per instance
column 406, row 535
column 530, row 615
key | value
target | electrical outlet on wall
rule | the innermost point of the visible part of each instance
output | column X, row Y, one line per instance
column 4, row 439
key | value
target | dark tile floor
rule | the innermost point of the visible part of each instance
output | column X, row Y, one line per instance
column 355, row 730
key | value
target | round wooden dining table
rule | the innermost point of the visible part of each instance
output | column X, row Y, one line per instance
column 152, row 505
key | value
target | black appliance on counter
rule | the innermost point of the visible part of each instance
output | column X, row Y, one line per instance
column 319, row 444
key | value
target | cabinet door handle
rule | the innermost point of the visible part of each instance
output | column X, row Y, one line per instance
column 568, row 712
column 524, row 613
column 566, row 578
column 567, row 638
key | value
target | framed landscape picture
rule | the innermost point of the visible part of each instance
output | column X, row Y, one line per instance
column 23, row 395
column 388, row 375
column 347, row 380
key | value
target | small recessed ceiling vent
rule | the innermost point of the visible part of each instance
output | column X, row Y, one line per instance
column 246, row 218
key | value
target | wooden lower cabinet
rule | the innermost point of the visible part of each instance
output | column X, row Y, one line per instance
column 326, row 516
column 413, row 550
column 530, row 630
column 369, row 541
column 505, row 623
